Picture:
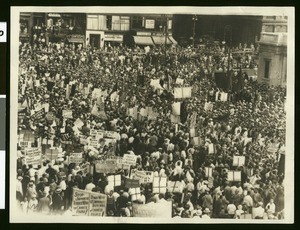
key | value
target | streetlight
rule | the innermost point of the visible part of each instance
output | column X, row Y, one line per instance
column 195, row 18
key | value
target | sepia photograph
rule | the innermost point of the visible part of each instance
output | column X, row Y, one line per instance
column 152, row 114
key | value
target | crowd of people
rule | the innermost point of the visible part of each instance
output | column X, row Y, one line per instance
column 249, row 122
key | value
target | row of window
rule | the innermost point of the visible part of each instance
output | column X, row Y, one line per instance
column 125, row 23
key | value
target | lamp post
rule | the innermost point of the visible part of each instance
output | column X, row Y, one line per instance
column 194, row 18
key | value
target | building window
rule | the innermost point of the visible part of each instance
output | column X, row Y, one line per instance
column 108, row 22
column 271, row 17
column 23, row 27
column 120, row 23
column 270, row 28
column 138, row 22
column 267, row 68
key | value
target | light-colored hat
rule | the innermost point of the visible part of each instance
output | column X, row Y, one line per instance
column 198, row 212
column 206, row 210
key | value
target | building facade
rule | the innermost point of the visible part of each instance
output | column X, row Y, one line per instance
column 272, row 67
column 233, row 29
column 128, row 29
column 56, row 27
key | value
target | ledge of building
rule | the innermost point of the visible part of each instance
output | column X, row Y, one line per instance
column 277, row 39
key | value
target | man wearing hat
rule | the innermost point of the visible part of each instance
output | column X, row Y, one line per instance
column 57, row 201
column 31, row 191
column 44, row 204
column 206, row 213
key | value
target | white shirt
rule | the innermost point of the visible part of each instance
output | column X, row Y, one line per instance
column 270, row 207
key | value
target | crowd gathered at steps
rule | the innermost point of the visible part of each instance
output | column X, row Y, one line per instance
column 252, row 110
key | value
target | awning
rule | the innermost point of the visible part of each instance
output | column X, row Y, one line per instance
column 172, row 40
column 75, row 40
column 160, row 40
column 143, row 40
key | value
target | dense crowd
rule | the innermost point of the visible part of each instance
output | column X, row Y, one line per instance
column 249, row 122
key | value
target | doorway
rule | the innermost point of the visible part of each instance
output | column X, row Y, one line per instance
column 95, row 40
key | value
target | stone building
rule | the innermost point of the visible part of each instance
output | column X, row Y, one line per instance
column 272, row 67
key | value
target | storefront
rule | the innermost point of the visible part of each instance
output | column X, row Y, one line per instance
column 143, row 38
column 94, row 38
column 26, row 24
column 62, row 26
column 76, row 40
column 113, row 39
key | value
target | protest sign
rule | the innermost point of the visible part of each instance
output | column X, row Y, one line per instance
column 114, row 180
column 86, row 203
column 94, row 142
column 224, row 96
column 211, row 148
column 33, row 156
column 21, row 116
column 96, row 93
column 46, row 107
column 179, row 81
column 177, row 92
column 109, row 134
column 208, row 106
column 85, row 168
column 143, row 112
column 39, row 116
column 65, row 139
column 234, row 175
column 143, row 176
column 159, row 185
column 182, row 92
column 78, row 123
column 98, row 112
column 67, row 113
column 158, row 210
column 105, row 166
column 81, row 202
column 238, row 161
column 155, row 83
column 51, row 154
column 176, row 108
column 83, row 140
column 197, row 141
column 98, row 204
column 193, row 120
column 93, row 132
column 132, row 183
column 186, row 92
column 129, row 159
column 25, row 144
column 192, row 132
column 208, row 171
column 50, row 116
column 135, row 193
column 175, row 119
column 175, row 186
column 75, row 158
column 98, row 134
column 133, row 112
